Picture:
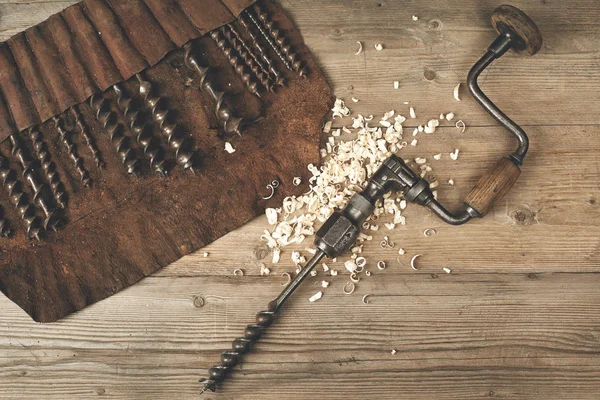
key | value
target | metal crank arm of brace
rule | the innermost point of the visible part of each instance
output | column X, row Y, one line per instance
column 339, row 233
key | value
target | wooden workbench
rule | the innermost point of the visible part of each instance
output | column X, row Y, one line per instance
column 518, row 317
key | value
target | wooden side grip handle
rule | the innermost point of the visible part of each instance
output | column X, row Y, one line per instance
column 493, row 186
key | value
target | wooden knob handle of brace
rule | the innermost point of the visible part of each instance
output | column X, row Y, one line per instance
column 493, row 186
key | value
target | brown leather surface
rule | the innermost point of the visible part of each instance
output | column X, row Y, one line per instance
column 124, row 228
column 92, row 45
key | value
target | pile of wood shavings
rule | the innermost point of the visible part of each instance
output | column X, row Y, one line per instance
column 347, row 166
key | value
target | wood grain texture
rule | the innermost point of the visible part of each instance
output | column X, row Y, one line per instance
column 517, row 318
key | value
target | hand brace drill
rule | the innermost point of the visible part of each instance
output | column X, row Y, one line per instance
column 339, row 233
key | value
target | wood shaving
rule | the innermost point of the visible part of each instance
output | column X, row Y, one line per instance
column 327, row 127
column 361, row 262
column 413, row 260
column 354, row 277
column 297, row 181
column 287, row 280
column 313, row 273
column 451, row 182
column 378, row 47
column 360, row 48
column 413, row 115
column 368, row 273
column 229, row 148
column 272, row 214
column 415, row 18
column 454, row 154
column 449, row 116
column 238, row 272
column 355, row 100
column 276, row 255
column 205, row 254
column 315, row 297
column 350, row 266
column 414, row 142
column 364, row 299
column 264, row 271
column 420, row 160
column 456, row 92
column 461, row 125
column 339, row 109
column 447, row 270
column 393, row 351
column 396, row 85
column 381, row 265
column 324, row 284
column 325, row 267
column 437, row 156
column 402, row 252
column 349, row 288
column 333, row 272
column 429, row 232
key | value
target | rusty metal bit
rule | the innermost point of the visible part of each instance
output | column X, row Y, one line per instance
column 26, row 210
column 235, row 60
column 89, row 140
column 48, row 167
column 5, row 230
column 224, row 114
column 141, row 128
column 280, row 42
column 41, row 192
column 178, row 140
column 277, row 76
column 114, row 130
column 249, row 58
column 67, row 141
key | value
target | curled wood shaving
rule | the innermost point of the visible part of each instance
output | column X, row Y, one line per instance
column 378, row 47
column 364, row 299
column 393, row 351
column 454, row 154
column 354, row 277
column 381, row 265
column 461, row 125
column 456, row 92
column 313, row 273
column 449, row 116
column 316, row 297
column 205, row 254
column 368, row 273
column 349, row 288
column 360, row 48
column 297, row 181
column 273, row 185
column 288, row 278
column 402, row 252
column 238, row 272
column 355, row 100
column 415, row 18
column 451, row 182
column 413, row 260
column 324, row 284
column 429, row 232
column 361, row 262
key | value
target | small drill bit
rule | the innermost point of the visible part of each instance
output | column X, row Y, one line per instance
column 180, row 142
column 67, row 141
column 114, row 130
column 248, row 57
column 224, row 114
column 89, row 140
column 41, row 193
column 236, row 62
column 277, row 76
column 139, row 126
column 48, row 167
column 18, row 198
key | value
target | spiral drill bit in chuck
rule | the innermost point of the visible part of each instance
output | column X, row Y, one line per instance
column 4, row 225
column 277, row 41
column 41, row 193
column 67, row 141
column 248, row 57
column 18, row 198
column 114, row 130
column 89, row 140
column 224, row 114
column 179, row 141
column 139, row 126
column 48, row 167
column 236, row 62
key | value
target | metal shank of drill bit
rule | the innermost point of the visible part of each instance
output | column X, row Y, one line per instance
column 67, row 141
column 236, row 62
column 248, row 57
column 41, row 193
column 18, row 198
column 180, row 142
column 224, row 114
column 48, row 167
column 4, row 225
column 141, row 128
column 264, row 319
column 108, row 119
column 89, row 140
column 279, row 80
column 281, row 42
